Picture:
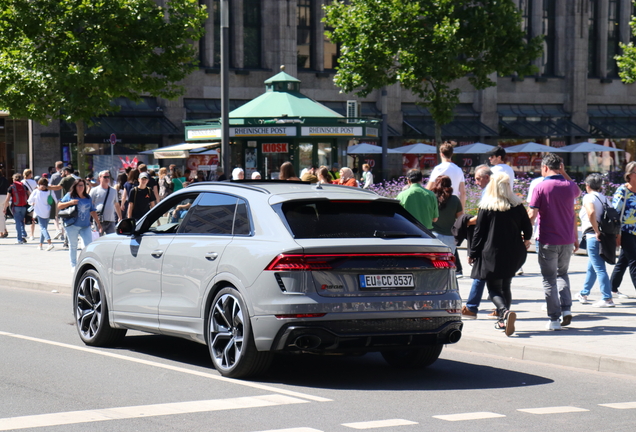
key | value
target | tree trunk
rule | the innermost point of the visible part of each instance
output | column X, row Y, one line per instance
column 438, row 140
column 80, row 147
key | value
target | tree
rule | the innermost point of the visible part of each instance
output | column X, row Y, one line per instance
column 69, row 59
column 426, row 46
column 627, row 61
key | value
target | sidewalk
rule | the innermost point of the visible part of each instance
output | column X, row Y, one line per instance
column 598, row 339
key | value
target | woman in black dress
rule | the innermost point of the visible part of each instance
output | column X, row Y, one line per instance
column 500, row 244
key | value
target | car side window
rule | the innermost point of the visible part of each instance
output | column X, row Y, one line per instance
column 212, row 214
column 168, row 216
column 242, row 219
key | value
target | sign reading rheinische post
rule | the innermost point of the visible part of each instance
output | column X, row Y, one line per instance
column 253, row 131
column 331, row 131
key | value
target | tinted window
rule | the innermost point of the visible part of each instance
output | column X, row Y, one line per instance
column 350, row 219
column 212, row 214
column 169, row 214
column 242, row 220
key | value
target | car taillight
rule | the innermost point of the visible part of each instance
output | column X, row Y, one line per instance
column 313, row 262
column 297, row 262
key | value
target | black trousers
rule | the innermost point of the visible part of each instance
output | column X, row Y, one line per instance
column 499, row 291
column 626, row 259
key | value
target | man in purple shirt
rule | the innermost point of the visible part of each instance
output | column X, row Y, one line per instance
column 553, row 200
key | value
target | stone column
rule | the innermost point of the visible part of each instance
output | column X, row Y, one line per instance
column 236, row 29
column 207, row 45
column 603, row 26
column 486, row 105
column 576, row 34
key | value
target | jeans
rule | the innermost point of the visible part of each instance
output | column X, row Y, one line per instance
column 108, row 227
column 554, row 261
column 476, row 293
column 596, row 269
column 627, row 258
column 18, row 215
column 499, row 290
column 72, row 232
column 447, row 240
column 44, row 233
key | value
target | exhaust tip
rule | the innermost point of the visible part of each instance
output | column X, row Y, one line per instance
column 307, row 342
column 454, row 336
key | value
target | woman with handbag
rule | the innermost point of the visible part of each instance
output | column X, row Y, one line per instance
column 43, row 202
column 76, row 209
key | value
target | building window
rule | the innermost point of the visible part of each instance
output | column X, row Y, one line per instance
column 252, row 33
column 592, row 53
column 331, row 52
column 549, row 41
column 526, row 17
column 304, row 32
column 612, row 38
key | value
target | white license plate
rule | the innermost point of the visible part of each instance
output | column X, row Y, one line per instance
column 386, row 281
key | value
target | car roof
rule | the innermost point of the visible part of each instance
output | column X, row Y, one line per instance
column 289, row 190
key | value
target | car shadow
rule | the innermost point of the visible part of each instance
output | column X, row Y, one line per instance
column 359, row 372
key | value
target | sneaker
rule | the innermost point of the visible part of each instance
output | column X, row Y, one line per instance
column 24, row 241
column 544, row 308
column 57, row 235
column 493, row 314
column 553, row 325
column 566, row 318
column 40, row 247
column 50, row 247
column 19, row 242
column 72, row 269
column 510, row 319
column 468, row 314
column 519, row 272
column 459, row 275
column 65, row 246
column 32, row 238
column 583, row 299
column 620, row 295
column 604, row 304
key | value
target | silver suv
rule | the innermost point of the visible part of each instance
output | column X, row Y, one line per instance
column 256, row 268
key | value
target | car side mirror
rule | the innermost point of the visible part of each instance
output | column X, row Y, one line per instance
column 126, row 227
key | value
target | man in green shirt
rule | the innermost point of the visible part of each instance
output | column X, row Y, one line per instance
column 418, row 201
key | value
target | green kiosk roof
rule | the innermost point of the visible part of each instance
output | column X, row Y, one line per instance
column 282, row 98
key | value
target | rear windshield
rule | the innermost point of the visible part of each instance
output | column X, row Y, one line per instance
column 350, row 219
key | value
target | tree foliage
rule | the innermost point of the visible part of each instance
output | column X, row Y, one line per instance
column 627, row 61
column 426, row 45
column 70, row 58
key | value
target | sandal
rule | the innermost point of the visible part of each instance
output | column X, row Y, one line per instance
column 510, row 318
column 500, row 325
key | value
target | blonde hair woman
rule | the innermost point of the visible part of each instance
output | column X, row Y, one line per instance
column 165, row 183
column 498, row 249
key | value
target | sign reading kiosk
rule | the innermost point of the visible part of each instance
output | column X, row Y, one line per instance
column 275, row 148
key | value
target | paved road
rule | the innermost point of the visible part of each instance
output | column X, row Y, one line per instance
column 50, row 381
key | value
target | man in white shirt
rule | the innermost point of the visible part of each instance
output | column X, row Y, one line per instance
column 447, row 167
column 105, row 201
column 496, row 157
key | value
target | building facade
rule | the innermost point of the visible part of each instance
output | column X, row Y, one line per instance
column 575, row 96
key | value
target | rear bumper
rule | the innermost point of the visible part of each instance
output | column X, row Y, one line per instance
column 367, row 334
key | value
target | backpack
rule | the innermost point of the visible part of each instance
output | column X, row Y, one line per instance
column 610, row 222
column 18, row 195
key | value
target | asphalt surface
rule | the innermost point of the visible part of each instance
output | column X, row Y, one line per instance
column 598, row 339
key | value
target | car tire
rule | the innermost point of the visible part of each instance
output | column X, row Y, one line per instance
column 415, row 358
column 91, row 312
column 230, row 337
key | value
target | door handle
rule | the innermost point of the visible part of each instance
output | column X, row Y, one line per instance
column 211, row 256
column 156, row 253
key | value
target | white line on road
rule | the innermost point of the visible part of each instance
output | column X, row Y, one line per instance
column 300, row 429
column 468, row 416
column 379, row 424
column 120, row 413
column 553, row 410
column 622, row 405
column 170, row 367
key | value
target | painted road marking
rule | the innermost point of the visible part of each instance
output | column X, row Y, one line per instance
column 379, row 424
column 170, row 367
column 622, row 405
column 120, row 413
column 468, row 416
column 553, row 410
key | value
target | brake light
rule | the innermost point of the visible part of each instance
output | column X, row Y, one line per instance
column 314, row 262
column 299, row 263
column 307, row 315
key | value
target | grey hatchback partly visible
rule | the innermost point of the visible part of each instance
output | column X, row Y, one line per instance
column 257, row 268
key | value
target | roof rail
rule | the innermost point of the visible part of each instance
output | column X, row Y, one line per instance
column 232, row 183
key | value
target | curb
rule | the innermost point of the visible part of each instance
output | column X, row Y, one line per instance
column 33, row 285
column 560, row 357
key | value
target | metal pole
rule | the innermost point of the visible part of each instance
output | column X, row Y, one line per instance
column 385, row 134
column 225, row 85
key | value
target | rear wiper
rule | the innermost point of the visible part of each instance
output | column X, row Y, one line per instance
column 393, row 234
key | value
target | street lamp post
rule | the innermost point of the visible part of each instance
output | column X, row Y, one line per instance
column 225, row 85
